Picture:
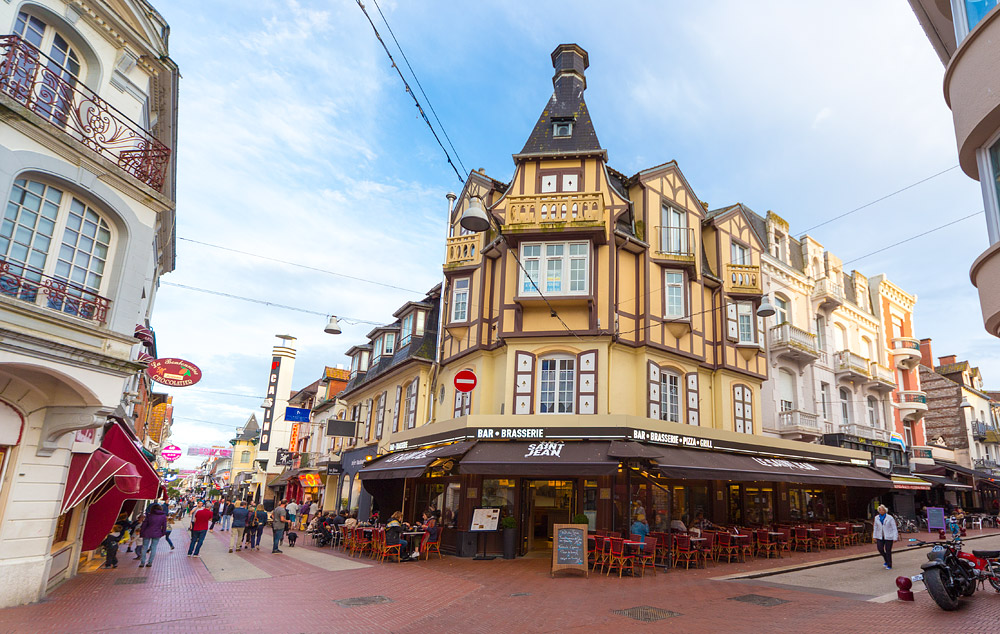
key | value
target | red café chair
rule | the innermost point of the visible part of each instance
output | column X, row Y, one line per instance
column 387, row 550
column 662, row 546
column 803, row 541
column 785, row 541
column 832, row 538
column 726, row 548
column 766, row 545
column 427, row 546
column 618, row 557
column 596, row 557
column 647, row 555
column 745, row 544
column 684, row 552
column 361, row 542
column 708, row 546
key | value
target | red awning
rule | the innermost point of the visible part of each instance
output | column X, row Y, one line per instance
column 90, row 472
column 101, row 515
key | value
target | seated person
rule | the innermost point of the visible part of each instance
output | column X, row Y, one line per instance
column 700, row 521
column 430, row 525
column 394, row 535
column 640, row 527
column 678, row 526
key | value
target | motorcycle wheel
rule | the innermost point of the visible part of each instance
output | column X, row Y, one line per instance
column 939, row 582
column 970, row 588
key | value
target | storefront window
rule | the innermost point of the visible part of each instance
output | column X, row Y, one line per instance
column 759, row 505
column 449, row 508
column 658, row 518
column 343, row 500
column 735, row 507
column 439, row 497
column 810, row 504
column 499, row 494
column 356, row 493
column 590, row 502
column 62, row 528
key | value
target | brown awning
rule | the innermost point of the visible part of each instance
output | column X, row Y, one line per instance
column 541, row 458
column 715, row 465
column 946, row 482
column 631, row 449
column 413, row 463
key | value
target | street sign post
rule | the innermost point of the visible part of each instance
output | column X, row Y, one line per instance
column 465, row 381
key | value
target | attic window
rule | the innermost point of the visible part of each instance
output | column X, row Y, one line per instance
column 562, row 128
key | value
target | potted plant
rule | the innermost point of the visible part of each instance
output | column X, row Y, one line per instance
column 509, row 526
column 581, row 518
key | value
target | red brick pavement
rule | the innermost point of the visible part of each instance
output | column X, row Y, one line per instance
column 461, row 595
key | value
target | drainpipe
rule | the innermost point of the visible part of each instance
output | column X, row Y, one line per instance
column 438, row 352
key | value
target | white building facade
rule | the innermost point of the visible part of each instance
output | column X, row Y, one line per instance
column 88, row 103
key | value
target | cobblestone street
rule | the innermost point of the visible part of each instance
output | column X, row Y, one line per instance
column 311, row 590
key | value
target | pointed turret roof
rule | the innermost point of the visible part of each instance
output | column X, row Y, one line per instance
column 565, row 106
column 250, row 430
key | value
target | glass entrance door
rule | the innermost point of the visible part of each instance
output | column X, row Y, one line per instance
column 545, row 503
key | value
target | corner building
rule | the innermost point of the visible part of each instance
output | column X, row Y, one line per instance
column 611, row 323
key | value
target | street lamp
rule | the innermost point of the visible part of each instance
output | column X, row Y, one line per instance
column 965, row 403
column 474, row 218
column 333, row 327
column 766, row 309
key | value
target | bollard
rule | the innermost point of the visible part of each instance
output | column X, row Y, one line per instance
column 904, row 593
column 962, row 531
column 941, row 534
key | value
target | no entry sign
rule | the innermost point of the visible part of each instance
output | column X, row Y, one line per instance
column 465, row 381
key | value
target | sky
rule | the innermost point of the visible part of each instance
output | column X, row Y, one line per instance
column 298, row 142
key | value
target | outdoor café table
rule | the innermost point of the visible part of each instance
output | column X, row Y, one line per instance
column 414, row 543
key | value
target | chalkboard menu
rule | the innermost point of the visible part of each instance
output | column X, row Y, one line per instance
column 935, row 518
column 569, row 547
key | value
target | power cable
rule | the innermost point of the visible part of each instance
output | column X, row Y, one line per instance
column 426, row 98
column 301, row 266
column 878, row 200
column 410, row 92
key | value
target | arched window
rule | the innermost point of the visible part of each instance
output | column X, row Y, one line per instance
column 782, row 306
column 845, row 406
column 61, row 71
column 670, row 396
column 873, row 417
column 817, row 269
column 786, row 390
column 53, row 240
column 839, row 338
column 867, row 349
column 557, row 384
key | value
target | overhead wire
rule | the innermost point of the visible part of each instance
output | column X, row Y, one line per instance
column 409, row 91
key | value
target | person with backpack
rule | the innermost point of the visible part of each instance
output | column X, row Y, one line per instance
column 153, row 528
column 256, row 520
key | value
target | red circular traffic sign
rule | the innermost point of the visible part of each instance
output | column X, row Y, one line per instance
column 465, row 381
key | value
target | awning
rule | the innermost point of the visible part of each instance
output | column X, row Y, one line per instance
column 910, row 483
column 630, row 449
column 715, row 465
column 101, row 515
column 542, row 458
column 413, row 463
column 90, row 472
column 283, row 479
column 946, row 482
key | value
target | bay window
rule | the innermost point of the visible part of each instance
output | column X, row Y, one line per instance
column 739, row 253
column 555, row 268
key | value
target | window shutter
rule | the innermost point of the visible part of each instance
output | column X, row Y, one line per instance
column 732, row 323
column 524, row 383
column 368, row 419
column 458, row 404
column 586, row 382
column 380, row 420
column 411, row 407
column 653, row 389
column 466, row 403
column 760, row 331
column 747, row 410
column 691, row 383
column 743, row 409
column 395, row 411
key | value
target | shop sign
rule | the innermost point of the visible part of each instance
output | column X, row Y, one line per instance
column 868, row 441
column 272, row 389
column 882, row 463
column 509, row 433
column 670, row 439
column 171, row 453
column 413, row 455
column 333, row 468
column 537, row 449
column 294, row 439
column 922, row 453
column 788, row 464
column 283, row 457
column 173, row 372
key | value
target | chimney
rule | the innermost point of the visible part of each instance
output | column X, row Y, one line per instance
column 926, row 358
column 570, row 62
column 947, row 360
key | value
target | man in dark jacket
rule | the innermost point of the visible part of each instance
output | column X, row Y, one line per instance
column 153, row 528
column 239, row 517
column 216, row 514
column 227, row 515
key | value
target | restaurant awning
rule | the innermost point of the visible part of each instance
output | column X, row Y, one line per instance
column 910, row 483
column 629, row 449
column 283, row 479
column 542, row 458
column 90, row 472
column 715, row 465
column 413, row 463
column 946, row 482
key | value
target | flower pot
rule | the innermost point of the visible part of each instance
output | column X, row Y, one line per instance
column 509, row 543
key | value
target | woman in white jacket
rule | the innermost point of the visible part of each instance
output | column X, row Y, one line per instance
column 884, row 532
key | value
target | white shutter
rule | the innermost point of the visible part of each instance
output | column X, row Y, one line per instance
column 586, row 382
column 691, row 383
column 760, row 332
column 368, row 420
column 524, row 383
column 732, row 322
column 395, row 411
column 411, row 407
column 380, row 418
column 653, row 389
column 458, row 405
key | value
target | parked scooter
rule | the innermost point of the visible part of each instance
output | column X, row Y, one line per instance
column 950, row 574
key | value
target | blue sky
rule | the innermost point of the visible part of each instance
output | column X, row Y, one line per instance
column 298, row 141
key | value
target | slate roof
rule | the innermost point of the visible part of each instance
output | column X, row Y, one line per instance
column 250, row 430
column 566, row 104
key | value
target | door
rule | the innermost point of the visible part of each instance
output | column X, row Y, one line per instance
column 545, row 503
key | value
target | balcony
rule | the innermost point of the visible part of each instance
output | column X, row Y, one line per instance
column 25, row 284
column 851, row 367
column 742, row 279
column 554, row 211
column 905, row 352
column 26, row 76
column 794, row 344
column 799, row 425
column 911, row 404
column 986, row 463
column 984, row 273
column 674, row 244
column 882, row 378
column 865, row 431
column 463, row 250
column 978, row 430
column 828, row 294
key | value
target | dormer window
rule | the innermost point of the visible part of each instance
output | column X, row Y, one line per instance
column 355, row 364
column 406, row 330
column 562, row 128
column 377, row 351
column 390, row 344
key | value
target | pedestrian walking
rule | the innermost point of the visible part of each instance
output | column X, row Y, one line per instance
column 293, row 510
column 884, row 532
column 199, row 526
column 216, row 514
column 279, row 522
column 110, row 544
column 257, row 518
column 227, row 515
column 239, row 519
column 170, row 528
column 152, row 529
column 134, row 537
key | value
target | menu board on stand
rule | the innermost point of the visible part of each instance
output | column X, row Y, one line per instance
column 569, row 548
column 484, row 520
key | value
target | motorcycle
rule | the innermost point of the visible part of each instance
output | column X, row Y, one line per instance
column 950, row 574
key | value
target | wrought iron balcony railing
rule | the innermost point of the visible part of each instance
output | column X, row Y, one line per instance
column 39, row 84
column 29, row 285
